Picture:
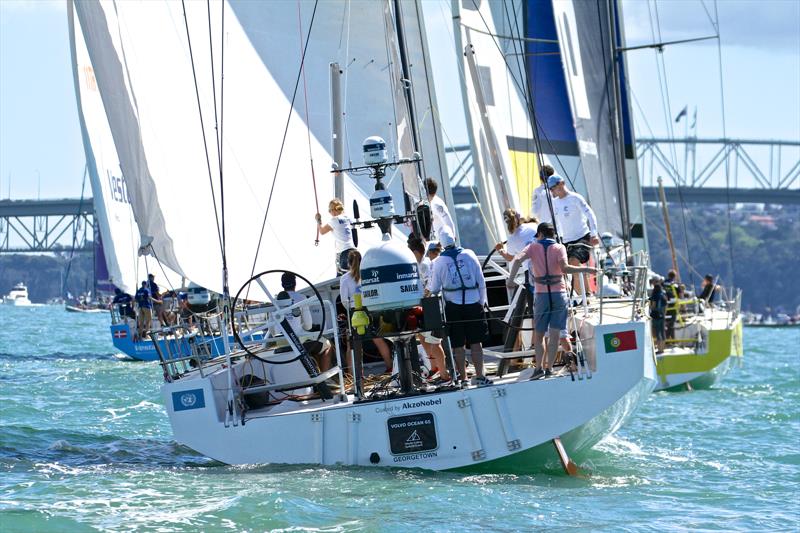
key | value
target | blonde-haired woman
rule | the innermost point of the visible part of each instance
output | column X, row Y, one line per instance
column 520, row 235
column 349, row 285
column 342, row 229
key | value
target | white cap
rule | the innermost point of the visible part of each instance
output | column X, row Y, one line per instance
column 446, row 239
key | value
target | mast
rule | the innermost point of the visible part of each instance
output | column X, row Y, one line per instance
column 337, row 129
column 619, row 145
column 401, row 44
column 667, row 227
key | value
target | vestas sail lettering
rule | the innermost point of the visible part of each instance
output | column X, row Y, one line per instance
column 118, row 188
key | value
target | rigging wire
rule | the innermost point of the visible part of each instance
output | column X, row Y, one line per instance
column 226, row 292
column 531, row 111
column 661, row 65
column 725, row 135
column 203, row 130
column 283, row 140
column 308, row 123
column 74, row 233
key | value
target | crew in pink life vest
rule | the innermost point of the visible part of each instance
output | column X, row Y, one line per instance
column 548, row 261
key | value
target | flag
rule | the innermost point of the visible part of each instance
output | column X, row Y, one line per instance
column 120, row 334
column 682, row 113
column 620, row 341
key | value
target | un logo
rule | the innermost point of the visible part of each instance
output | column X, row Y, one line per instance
column 188, row 399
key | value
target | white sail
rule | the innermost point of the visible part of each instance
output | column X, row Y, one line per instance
column 146, row 75
column 118, row 230
column 495, row 87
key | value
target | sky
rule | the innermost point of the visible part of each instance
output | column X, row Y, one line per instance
column 41, row 154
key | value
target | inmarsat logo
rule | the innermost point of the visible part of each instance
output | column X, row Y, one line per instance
column 188, row 399
column 375, row 273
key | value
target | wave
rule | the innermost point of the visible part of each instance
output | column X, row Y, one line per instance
column 58, row 356
column 26, row 448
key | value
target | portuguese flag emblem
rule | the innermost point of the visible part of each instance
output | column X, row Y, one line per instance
column 620, row 341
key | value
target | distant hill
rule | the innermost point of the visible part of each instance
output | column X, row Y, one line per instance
column 765, row 250
column 42, row 274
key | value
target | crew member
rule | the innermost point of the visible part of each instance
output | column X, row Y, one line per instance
column 670, row 290
column 431, row 340
column 520, row 235
column 158, row 303
column 301, row 319
column 184, row 311
column 439, row 212
column 458, row 274
column 144, row 318
column 577, row 225
column 548, row 261
column 658, row 309
column 540, row 208
column 124, row 302
column 342, row 229
column 709, row 290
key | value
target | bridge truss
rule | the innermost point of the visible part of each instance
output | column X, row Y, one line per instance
column 713, row 170
column 32, row 226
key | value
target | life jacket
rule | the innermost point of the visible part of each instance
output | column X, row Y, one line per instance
column 453, row 254
column 548, row 279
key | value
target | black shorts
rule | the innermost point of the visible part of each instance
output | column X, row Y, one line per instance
column 341, row 260
column 466, row 324
column 577, row 249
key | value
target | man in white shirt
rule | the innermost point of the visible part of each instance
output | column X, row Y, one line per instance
column 457, row 273
column 439, row 212
column 576, row 223
column 431, row 340
column 540, row 208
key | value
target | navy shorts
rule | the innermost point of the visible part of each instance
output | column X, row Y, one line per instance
column 341, row 260
column 466, row 324
column 659, row 332
column 550, row 311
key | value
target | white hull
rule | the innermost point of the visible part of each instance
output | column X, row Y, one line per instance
column 18, row 302
column 469, row 428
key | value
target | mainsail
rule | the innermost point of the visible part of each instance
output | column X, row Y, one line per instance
column 112, row 207
column 167, row 106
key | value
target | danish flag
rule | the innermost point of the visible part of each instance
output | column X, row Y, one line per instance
column 120, row 334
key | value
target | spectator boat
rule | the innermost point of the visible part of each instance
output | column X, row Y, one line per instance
column 18, row 296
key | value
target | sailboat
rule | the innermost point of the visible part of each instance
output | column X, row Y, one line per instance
column 118, row 261
column 159, row 70
column 707, row 335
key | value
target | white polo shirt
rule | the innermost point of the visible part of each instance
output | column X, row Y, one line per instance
column 342, row 233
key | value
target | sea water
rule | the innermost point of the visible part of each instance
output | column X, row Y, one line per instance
column 85, row 445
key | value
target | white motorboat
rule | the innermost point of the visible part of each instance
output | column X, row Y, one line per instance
column 18, row 296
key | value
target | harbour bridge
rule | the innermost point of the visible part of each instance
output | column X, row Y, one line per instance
column 713, row 171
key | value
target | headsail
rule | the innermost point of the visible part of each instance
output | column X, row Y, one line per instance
column 118, row 230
